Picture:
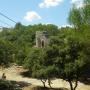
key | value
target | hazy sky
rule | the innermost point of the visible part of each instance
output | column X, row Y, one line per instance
column 37, row 11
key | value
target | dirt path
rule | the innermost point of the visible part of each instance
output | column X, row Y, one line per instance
column 13, row 74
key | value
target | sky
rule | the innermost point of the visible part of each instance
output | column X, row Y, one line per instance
column 30, row 12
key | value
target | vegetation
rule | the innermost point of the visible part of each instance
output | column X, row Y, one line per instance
column 6, row 85
column 67, row 55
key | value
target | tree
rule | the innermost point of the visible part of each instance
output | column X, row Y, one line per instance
column 32, row 62
column 20, row 56
column 80, row 17
column 86, row 12
column 85, row 38
column 40, row 61
column 75, row 18
column 6, row 51
column 18, row 26
column 63, row 58
column 71, row 61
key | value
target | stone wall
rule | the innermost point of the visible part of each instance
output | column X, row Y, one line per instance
column 41, row 38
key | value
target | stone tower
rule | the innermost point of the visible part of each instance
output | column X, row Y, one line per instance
column 41, row 38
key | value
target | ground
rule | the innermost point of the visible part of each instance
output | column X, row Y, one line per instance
column 13, row 74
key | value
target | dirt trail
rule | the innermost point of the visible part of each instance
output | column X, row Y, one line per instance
column 13, row 74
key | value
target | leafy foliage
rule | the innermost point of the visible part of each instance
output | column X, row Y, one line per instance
column 67, row 55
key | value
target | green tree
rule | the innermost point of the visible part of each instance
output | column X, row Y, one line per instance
column 86, row 12
column 75, row 18
column 71, row 61
column 80, row 17
column 6, row 51
column 40, row 63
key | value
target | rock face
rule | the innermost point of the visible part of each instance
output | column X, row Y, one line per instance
column 41, row 38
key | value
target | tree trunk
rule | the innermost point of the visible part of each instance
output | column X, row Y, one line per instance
column 76, row 83
column 49, row 82
column 43, row 81
column 71, row 85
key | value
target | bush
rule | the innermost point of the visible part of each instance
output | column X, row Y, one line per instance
column 6, row 85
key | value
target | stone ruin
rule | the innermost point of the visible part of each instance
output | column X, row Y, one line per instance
column 41, row 38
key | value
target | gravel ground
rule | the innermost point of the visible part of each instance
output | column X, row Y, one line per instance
column 13, row 74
